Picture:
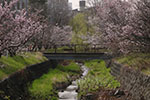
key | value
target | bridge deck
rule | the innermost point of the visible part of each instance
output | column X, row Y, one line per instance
column 77, row 56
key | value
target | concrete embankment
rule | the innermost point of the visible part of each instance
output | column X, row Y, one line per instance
column 15, row 86
column 133, row 81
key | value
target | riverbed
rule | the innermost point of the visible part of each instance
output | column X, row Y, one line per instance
column 70, row 93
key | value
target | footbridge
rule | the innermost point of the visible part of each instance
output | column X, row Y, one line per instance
column 77, row 52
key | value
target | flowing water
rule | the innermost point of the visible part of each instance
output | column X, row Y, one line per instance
column 70, row 92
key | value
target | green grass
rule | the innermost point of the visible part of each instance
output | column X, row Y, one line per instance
column 98, row 77
column 43, row 89
column 20, row 61
column 138, row 61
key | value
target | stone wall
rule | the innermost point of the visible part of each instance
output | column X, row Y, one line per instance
column 133, row 81
column 15, row 85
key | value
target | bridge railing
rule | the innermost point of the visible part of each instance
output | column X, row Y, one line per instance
column 76, row 48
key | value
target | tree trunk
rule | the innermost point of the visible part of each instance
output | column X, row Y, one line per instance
column 0, row 54
column 12, row 52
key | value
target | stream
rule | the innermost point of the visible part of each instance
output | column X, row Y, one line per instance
column 70, row 92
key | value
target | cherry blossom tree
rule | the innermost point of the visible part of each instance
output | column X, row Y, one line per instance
column 58, row 36
column 113, row 15
column 38, row 4
column 141, row 25
column 124, row 25
column 16, row 29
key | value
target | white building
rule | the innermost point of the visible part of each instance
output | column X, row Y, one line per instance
column 82, row 4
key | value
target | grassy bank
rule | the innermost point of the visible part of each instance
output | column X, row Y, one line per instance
column 138, row 61
column 42, row 88
column 9, row 65
column 98, row 77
